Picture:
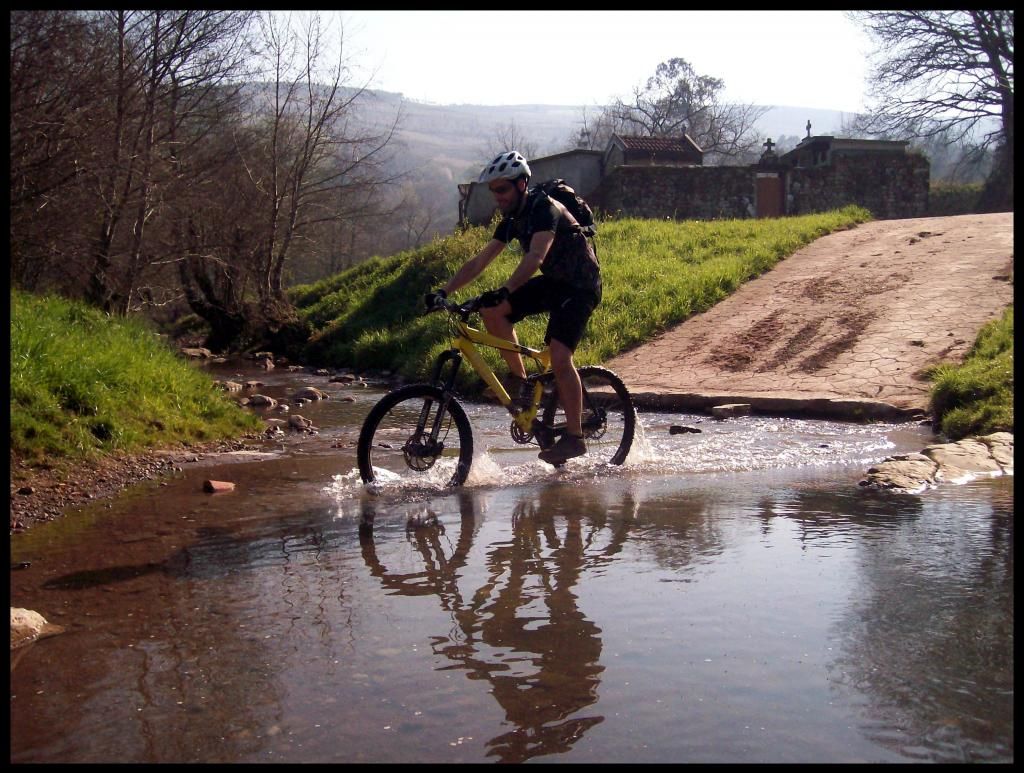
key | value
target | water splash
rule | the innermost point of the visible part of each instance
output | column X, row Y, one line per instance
column 487, row 471
column 484, row 471
column 641, row 451
column 345, row 484
column 733, row 445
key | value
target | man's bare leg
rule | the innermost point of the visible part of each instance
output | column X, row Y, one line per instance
column 497, row 324
column 570, row 390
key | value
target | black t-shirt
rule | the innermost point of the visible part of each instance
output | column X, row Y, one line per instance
column 571, row 257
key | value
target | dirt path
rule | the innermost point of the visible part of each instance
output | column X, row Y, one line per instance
column 841, row 328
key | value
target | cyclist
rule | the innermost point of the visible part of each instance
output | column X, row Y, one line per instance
column 568, row 287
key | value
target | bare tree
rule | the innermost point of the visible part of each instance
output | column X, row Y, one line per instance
column 103, row 105
column 946, row 73
column 56, row 66
column 420, row 217
column 730, row 135
column 167, row 65
column 509, row 136
column 303, row 164
column 147, row 163
column 677, row 100
column 954, row 160
column 214, row 231
column 594, row 133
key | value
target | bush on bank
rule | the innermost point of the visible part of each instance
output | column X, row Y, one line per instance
column 84, row 384
column 976, row 397
column 953, row 198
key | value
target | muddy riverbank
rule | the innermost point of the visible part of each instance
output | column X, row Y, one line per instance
column 40, row 494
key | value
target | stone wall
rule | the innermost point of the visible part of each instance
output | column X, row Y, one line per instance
column 679, row 193
column 891, row 186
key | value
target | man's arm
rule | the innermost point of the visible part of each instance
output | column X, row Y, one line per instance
column 472, row 268
column 540, row 243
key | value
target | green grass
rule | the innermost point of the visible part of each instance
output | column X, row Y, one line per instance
column 656, row 274
column 976, row 397
column 953, row 198
column 84, row 384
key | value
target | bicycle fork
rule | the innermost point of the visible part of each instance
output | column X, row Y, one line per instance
column 443, row 358
column 426, row 442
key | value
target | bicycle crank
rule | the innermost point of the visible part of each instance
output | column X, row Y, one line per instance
column 519, row 434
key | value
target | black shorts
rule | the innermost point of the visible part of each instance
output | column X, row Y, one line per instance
column 570, row 308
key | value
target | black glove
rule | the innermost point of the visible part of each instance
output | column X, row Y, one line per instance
column 493, row 297
column 431, row 299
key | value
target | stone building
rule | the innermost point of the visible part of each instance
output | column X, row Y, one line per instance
column 652, row 151
column 665, row 178
column 585, row 169
column 582, row 169
column 826, row 172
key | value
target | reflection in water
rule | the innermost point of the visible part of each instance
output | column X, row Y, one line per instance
column 930, row 639
column 92, row 578
column 522, row 629
column 825, row 514
column 775, row 615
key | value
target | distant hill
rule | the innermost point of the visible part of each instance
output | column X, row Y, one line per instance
column 456, row 135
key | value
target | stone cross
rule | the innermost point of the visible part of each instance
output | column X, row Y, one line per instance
column 808, row 128
column 768, row 145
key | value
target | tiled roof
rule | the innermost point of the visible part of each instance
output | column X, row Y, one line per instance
column 657, row 144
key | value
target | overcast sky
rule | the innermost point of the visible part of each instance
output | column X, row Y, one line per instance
column 797, row 58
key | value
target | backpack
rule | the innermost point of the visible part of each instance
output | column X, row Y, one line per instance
column 560, row 191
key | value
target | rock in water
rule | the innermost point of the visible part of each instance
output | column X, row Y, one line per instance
column 28, row 625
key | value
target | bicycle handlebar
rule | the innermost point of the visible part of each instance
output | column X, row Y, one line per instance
column 463, row 310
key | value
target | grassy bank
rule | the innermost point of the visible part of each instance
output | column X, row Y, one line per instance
column 84, row 384
column 976, row 397
column 656, row 274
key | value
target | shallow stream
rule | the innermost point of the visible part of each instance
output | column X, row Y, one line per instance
column 728, row 595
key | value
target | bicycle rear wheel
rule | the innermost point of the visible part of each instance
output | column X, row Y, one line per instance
column 416, row 434
column 608, row 419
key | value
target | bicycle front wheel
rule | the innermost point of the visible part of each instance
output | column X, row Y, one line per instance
column 608, row 418
column 416, row 434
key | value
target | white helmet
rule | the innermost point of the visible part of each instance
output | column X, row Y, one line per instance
column 507, row 165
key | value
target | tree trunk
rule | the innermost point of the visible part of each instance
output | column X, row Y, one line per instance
column 227, row 326
column 997, row 195
column 100, row 291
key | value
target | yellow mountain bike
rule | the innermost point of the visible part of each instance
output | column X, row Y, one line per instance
column 415, row 427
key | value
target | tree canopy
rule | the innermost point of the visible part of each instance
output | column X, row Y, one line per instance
column 678, row 100
column 945, row 73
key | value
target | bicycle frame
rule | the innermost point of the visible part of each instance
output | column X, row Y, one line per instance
column 443, row 427
column 464, row 345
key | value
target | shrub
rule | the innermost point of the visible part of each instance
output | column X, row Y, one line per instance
column 953, row 198
column 976, row 397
